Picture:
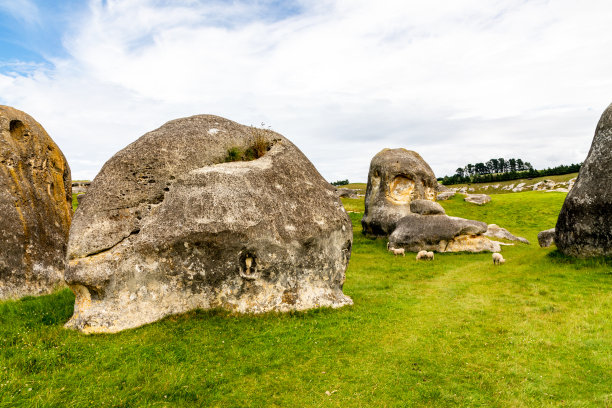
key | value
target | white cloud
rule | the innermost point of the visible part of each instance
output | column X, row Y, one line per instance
column 458, row 81
column 23, row 10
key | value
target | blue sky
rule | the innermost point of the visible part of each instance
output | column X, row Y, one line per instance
column 457, row 81
column 32, row 31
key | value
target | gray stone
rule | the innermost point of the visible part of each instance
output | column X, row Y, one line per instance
column 346, row 193
column 546, row 238
column 396, row 177
column 441, row 188
column 168, row 226
column 584, row 226
column 36, row 207
column 479, row 199
column 441, row 233
column 445, row 195
column 495, row 231
column 426, row 207
column 79, row 187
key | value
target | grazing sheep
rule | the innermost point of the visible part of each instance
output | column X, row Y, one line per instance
column 396, row 251
column 430, row 255
column 423, row 255
column 498, row 258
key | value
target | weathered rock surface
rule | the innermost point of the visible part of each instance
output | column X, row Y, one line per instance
column 546, row 238
column 426, row 207
column 396, row 178
column 168, row 226
column 445, row 195
column 36, row 207
column 495, row 231
column 479, row 199
column 441, row 233
column 584, row 226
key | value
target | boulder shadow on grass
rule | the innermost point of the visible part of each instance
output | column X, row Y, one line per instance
column 559, row 257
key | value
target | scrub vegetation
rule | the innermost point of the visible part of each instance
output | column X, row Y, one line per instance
column 458, row 331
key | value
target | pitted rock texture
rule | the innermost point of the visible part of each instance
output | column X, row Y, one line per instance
column 396, row 178
column 495, row 231
column 441, row 233
column 36, row 207
column 584, row 226
column 167, row 226
column 546, row 238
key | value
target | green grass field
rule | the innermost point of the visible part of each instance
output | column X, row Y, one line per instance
column 458, row 331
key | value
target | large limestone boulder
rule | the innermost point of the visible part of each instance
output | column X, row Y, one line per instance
column 396, row 178
column 584, row 226
column 441, row 233
column 35, row 203
column 168, row 225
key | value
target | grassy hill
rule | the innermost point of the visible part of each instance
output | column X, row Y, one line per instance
column 490, row 187
column 458, row 331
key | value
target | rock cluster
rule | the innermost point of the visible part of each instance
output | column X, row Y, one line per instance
column 168, row 225
column 400, row 203
column 584, row 226
column 36, row 207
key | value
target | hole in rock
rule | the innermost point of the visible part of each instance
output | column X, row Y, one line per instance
column 17, row 129
column 248, row 263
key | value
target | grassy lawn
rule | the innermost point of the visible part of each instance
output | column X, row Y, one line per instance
column 458, row 331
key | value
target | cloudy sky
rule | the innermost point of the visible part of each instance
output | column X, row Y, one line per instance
column 459, row 81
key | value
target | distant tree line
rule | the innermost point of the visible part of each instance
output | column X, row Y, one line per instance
column 340, row 183
column 503, row 169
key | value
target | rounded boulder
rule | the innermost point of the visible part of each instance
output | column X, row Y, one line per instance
column 206, row 213
column 36, row 207
column 584, row 226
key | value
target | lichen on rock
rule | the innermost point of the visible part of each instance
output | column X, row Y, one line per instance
column 36, row 207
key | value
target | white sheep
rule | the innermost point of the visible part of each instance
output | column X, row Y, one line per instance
column 498, row 258
column 425, row 255
column 396, row 251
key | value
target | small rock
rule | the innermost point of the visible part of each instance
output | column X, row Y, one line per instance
column 496, row 231
column 546, row 238
column 445, row 195
column 479, row 199
column 426, row 207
